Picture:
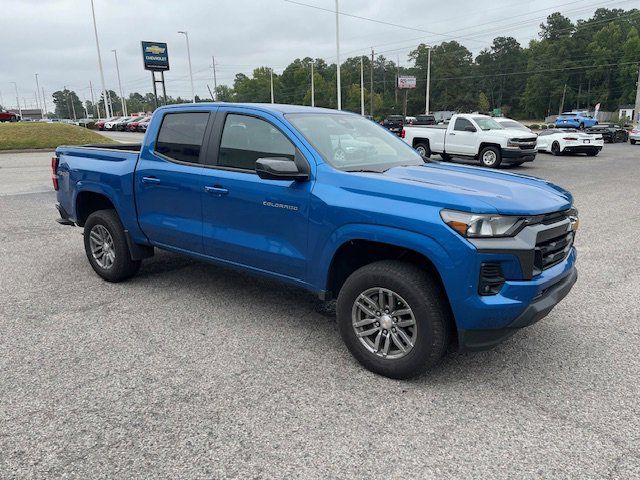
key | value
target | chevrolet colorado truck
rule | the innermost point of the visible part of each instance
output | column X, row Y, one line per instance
column 420, row 255
column 473, row 136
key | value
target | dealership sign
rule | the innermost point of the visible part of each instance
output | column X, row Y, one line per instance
column 406, row 82
column 155, row 56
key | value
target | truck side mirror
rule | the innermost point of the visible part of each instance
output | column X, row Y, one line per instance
column 470, row 128
column 279, row 168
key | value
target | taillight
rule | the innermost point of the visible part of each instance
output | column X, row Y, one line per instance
column 403, row 133
column 570, row 138
column 54, row 172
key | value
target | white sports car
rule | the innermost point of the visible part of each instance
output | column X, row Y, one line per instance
column 559, row 141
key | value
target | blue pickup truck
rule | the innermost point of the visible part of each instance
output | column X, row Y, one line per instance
column 420, row 255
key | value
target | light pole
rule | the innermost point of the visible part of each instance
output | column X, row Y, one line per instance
column 361, row 86
column 108, row 112
column 338, row 57
column 124, row 102
column 42, row 112
column 193, row 94
column 271, row 73
column 44, row 103
column 313, row 92
column 215, row 81
column 17, row 99
column 426, row 104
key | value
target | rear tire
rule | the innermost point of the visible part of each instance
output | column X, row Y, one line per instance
column 423, row 149
column 593, row 152
column 490, row 157
column 632, row 141
column 445, row 157
column 425, row 323
column 106, row 247
column 555, row 149
column 581, row 126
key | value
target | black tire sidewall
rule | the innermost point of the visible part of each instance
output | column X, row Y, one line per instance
column 123, row 267
column 426, row 148
column 415, row 287
column 557, row 151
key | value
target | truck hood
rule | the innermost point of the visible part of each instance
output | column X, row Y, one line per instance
column 480, row 190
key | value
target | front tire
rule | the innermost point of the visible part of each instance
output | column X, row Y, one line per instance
column 393, row 318
column 106, row 247
column 593, row 152
column 490, row 157
column 14, row 119
column 445, row 157
column 632, row 141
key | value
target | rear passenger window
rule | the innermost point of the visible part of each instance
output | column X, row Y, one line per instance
column 245, row 139
column 181, row 134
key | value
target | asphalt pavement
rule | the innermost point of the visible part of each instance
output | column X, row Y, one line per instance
column 190, row 370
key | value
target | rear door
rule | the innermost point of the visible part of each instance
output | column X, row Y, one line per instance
column 249, row 221
column 461, row 141
column 169, row 183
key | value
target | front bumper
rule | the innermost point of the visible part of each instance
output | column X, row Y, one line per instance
column 518, row 155
column 473, row 340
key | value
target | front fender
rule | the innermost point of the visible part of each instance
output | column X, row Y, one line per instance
column 423, row 244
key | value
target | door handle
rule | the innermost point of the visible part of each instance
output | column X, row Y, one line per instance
column 217, row 190
column 150, row 180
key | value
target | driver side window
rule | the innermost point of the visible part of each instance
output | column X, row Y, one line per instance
column 245, row 139
column 461, row 124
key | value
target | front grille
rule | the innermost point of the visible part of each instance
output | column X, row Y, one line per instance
column 552, row 251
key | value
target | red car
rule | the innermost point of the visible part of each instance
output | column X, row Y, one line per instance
column 8, row 116
column 100, row 123
column 133, row 126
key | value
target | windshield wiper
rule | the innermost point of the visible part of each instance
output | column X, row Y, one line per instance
column 365, row 171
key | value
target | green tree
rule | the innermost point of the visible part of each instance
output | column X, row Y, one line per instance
column 483, row 103
column 67, row 104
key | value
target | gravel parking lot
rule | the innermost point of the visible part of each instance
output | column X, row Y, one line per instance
column 194, row 371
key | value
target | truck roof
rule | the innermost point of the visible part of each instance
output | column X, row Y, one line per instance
column 266, row 107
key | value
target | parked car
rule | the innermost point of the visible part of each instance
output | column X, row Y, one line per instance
column 6, row 116
column 610, row 132
column 101, row 124
column 409, row 120
column 513, row 124
column 124, row 126
column 133, row 125
column 425, row 120
column 394, row 123
column 418, row 255
column 579, row 120
column 473, row 136
column 634, row 135
column 561, row 141
column 113, row 124
column 143, row 125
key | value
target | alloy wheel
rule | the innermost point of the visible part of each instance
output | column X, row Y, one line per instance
column 102, row 248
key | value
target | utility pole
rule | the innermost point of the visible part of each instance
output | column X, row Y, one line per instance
column 564, row 91
column 338, row 87
column 93, row 100
column 37, row 95
column 17, row 99
column 193, row 93
column 637, row 106
column 426, row 104
column 44, row 104
column 362, row 86
column 371, row 74
column 104, row 88
column 124, row 102
column 271, row 75
column 215, row 82
column 397, row 76
column 313, row 93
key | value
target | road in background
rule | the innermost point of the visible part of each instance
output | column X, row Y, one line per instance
column 192, row 370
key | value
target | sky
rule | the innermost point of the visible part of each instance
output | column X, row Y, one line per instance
column 55, row 38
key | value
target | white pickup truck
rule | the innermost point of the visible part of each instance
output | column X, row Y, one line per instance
column 473, row 136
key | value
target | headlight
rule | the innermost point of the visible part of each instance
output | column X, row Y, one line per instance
column 513, row 143
column 473, row 225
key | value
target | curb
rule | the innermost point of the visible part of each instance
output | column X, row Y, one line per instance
column 28, row 150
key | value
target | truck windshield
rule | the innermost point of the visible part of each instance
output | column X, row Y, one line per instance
column 486, row 123
column 353, row 143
